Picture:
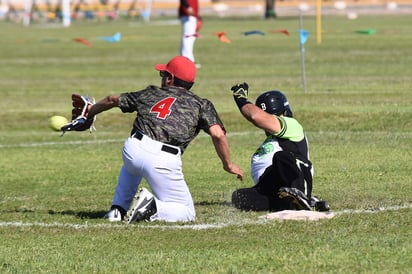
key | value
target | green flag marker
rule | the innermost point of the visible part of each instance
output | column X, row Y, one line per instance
column 367, row 31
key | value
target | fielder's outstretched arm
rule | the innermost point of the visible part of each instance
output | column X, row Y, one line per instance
column 222, row 149
column 104, row 104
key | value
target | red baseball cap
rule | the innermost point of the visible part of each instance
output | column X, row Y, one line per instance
column 181, row 67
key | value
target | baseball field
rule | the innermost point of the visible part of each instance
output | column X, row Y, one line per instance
column 356, row 109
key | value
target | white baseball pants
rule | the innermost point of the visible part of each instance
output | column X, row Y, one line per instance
column 163, row 172
column 189, row 24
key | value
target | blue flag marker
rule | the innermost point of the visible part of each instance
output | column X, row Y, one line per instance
column 303, row 36
column 112, row 39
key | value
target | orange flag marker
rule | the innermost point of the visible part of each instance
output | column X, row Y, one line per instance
column 222, row 37
column 82, row 41
column 284, row 31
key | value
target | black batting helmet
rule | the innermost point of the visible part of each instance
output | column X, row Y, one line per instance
column 274, row 102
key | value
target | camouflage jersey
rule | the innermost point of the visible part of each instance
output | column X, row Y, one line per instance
column 171, row 115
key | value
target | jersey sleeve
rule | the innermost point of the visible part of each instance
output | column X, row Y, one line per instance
column 209, row 117
column 291, row 129
column 128, row 102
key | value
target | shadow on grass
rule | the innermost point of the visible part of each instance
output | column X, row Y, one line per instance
column 212, row 203
column 99, row 214
column 80, row 214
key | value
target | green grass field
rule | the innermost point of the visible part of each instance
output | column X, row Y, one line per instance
column 357, row 113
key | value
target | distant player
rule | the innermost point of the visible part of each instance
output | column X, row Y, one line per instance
column 270, row 11
column 191, row 23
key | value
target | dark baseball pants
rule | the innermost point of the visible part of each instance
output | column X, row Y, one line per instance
column 287, row 170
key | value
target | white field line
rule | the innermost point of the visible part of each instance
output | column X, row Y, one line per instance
column 202, row 135
column 80, row 142
column 101, row 141
column 188, row 226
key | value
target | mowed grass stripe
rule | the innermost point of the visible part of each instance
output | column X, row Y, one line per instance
column 231, row 134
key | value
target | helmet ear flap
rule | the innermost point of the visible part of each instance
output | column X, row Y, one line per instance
column 288, row 112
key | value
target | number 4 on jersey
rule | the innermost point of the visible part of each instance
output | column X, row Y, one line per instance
column 163, row 107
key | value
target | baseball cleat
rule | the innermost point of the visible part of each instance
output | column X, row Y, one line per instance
column 142, row 208
column 319, row 205
column 114, row 215
column 296, row 197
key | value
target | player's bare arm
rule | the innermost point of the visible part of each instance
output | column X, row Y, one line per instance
column 261, row 119
column 104, row 104
column 222, row 148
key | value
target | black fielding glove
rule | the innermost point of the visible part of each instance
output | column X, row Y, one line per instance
column 240, row 94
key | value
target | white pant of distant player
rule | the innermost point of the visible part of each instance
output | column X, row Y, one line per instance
column 163, row 172
column 189, row 24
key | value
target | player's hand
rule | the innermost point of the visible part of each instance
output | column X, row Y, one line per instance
column 190, row 11
column 240, row 91
column 235, row 169
column 80, row 120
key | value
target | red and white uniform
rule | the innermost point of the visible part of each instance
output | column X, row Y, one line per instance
column 189, row 17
